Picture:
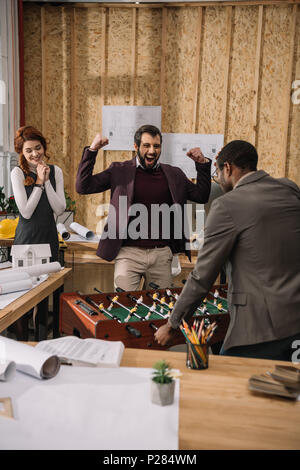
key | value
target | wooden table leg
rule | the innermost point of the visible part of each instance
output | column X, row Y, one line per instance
column 41, row 331
column 20, row 327
column 56, row 296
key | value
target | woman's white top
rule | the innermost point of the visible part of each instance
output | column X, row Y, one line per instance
column 26, row 206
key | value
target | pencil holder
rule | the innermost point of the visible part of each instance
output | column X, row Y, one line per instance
column 196, row 356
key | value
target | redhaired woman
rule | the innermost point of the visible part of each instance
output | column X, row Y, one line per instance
column 39, row 194
column 38, row 190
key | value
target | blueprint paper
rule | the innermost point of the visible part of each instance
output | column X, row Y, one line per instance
column 176, row 146
column 121, row 122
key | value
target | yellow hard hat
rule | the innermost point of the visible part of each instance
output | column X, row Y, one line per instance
column 8, row 228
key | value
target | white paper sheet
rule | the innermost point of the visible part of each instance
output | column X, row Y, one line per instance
column 5, row 265
column 6, row 299
column 176, row 146
column 121, row 122
column 88, row 408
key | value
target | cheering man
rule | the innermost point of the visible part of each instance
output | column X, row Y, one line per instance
column 139, row 244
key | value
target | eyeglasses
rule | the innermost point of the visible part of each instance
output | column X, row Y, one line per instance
column 215, row 176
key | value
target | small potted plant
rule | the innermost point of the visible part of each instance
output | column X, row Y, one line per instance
column 162, row 384
column 68, row 216
column 12, row 209
column 70, row 204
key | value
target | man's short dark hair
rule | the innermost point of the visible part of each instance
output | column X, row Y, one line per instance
column 152, row 130
column 240, row 153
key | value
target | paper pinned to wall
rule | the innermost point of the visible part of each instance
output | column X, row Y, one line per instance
column 121, row 122
column 176, row 146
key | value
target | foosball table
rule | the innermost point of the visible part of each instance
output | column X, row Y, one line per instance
column 133, row 317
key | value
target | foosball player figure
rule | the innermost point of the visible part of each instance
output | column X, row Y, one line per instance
column 152, row 309
column 216, row 296
column 132, row 311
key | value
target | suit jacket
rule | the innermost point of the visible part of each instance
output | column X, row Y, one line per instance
column 255, row 228
column 119, row 178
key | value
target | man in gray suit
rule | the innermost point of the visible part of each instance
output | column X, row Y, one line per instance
column 254, row 228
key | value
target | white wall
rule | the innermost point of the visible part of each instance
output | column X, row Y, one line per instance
column 9, row 89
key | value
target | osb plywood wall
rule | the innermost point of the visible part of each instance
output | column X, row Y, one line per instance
column 214, row 69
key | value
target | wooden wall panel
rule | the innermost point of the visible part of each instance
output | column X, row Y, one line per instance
column 213, row 68
column 148, row 56
column 56, row 84
column 33, row 65
column 293, row 147
column 87, row 72
column 212, row 71
column 242, row 74
column 181, row 58
column 274, row 76
column 119, row 72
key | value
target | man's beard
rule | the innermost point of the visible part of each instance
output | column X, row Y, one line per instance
column 142, row 161
column 226, row 187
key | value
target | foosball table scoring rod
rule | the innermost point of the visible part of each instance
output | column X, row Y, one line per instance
column 140, row 302
column 219, row 306
column 114, row 300
column 131, row 297
column 100, row 307
column 130, row 329
column 162, row 302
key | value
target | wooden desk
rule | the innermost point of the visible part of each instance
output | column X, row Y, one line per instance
column 23, row 304
column 7, row 242
column 72, row 246
column 82, row 246
column 217, row 411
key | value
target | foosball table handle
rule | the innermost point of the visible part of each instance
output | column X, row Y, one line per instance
column 119, row 289
column 153, row 285
column 133, row 331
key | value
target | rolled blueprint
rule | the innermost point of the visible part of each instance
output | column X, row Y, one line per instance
column 63, row 231
column 83, row 231
column 15, row 286
column 29, row 360
column 7, row 275
column 7, row 370
column 38, row 269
